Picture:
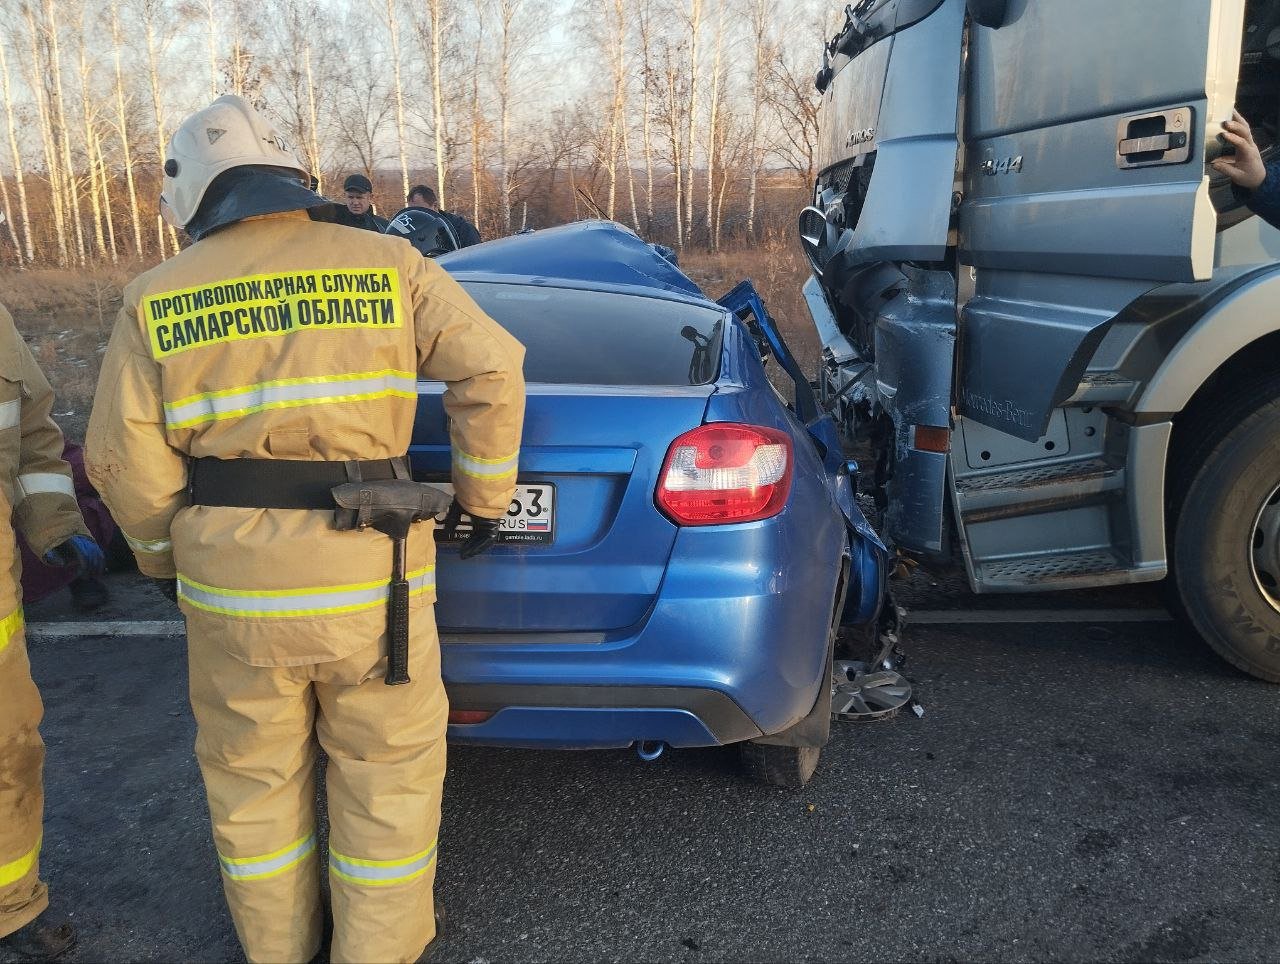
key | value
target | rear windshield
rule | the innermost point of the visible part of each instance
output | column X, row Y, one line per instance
column 600, row 338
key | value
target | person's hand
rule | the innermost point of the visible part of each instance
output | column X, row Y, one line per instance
column 484, row 532
column 1245, row 167
column 81, row 552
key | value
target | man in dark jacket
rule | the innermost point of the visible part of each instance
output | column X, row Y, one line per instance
column 424, row 197
column 1257, row 184
column 358, row 211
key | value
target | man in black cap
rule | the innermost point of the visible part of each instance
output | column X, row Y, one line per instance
column 358, row 211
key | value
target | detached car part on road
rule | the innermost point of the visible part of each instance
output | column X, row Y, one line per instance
column 1057, row 329
column 684, row 542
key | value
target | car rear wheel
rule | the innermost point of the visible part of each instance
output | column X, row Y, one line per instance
column 1226, row 545
column 780, row 766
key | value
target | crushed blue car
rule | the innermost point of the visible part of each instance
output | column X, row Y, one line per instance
column 684, row 541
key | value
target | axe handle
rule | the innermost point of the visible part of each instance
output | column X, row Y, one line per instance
column 398, row 619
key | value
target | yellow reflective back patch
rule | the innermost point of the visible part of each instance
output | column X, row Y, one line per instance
column 272, row 306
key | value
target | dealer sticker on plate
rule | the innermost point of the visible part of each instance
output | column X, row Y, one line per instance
column 531, row 517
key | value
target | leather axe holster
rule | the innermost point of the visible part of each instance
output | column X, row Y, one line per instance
column 391, row 506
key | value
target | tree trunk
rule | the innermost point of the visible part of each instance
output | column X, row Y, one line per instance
column 507, row 12
column 695, row 24
column 62, row 130
column 646, row 27
column 96, row 186
column 157, row 104
column 673, row 120
column 631, row 181
column 123, row 131
column 760, row 25
column 211, row 12
column 712, row 146
column 53, row 165
column 105, row 180
column 19, row 182
column 394, row 27
column 435, row 9
column 476, row 118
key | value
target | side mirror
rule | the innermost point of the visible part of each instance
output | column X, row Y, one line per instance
column 988, row 13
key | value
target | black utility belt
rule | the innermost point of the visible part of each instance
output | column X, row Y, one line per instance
column 282, row 483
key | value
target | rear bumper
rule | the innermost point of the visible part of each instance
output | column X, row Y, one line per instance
column 573, row 717
column 731, row 649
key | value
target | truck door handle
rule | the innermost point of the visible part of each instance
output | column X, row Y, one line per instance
column 1163, row 137
column 1162, row 143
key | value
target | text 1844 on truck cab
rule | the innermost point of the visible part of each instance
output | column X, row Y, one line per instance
column 1057, row 328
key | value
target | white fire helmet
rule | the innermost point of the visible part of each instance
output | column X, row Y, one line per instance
column 228, row 133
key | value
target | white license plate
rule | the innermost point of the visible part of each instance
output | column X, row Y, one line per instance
column 531, row 517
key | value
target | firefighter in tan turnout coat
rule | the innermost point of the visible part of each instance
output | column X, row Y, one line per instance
column 245, row 377
column 36, row 492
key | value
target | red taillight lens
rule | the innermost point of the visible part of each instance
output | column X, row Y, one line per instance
column 724, row 472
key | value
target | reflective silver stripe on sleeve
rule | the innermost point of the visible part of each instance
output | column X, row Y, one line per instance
column 319, row 601
column 268, row 865
column 485, row 468
column 381, row 873
column 10, row 413
column 35, row 483
column 288, row 393
column 141, row 545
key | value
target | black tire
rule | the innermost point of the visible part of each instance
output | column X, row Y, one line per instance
column 1230, row 470
column 790, row 767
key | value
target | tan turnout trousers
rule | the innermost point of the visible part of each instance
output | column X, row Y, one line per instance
column 36, row 493
column 282, row 338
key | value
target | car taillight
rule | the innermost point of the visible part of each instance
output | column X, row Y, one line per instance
column 725, row 472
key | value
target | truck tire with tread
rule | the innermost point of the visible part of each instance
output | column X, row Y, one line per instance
column 1219, row 486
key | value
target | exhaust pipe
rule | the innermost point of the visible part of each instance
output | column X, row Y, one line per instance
column 650, row 750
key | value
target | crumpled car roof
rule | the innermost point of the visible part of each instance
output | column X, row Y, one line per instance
column 584, row 254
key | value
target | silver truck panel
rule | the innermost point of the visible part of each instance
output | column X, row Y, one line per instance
column 1223, row 325
column 899, row 99
column 1027, row 340
column 1064, row 223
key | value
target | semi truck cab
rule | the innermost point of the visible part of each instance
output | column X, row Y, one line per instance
column 1055, row 326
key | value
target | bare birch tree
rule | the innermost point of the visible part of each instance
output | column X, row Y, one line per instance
column 122, row 131
column 432, row 23
column 695, row 29
column 712, row 133
column 393, row 27
column 16, row 156
column 151, row 11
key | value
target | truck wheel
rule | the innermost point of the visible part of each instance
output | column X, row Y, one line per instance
column 1226, row 544
column 779, row 766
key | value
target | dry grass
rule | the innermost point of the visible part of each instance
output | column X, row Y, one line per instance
column 778, row 269
column 66, row 316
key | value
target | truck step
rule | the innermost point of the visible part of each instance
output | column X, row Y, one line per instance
column 1067, row 570
column 1041, row 488
column 1104, row 387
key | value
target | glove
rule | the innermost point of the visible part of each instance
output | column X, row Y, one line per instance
column 168, row 588
column 484, row 532
column 81, row 552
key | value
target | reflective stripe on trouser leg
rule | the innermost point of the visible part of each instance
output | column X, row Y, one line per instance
column 22, row 894
column 256, row 753
column 386, row 772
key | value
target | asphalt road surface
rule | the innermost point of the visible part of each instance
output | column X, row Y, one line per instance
column 1077, row 790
